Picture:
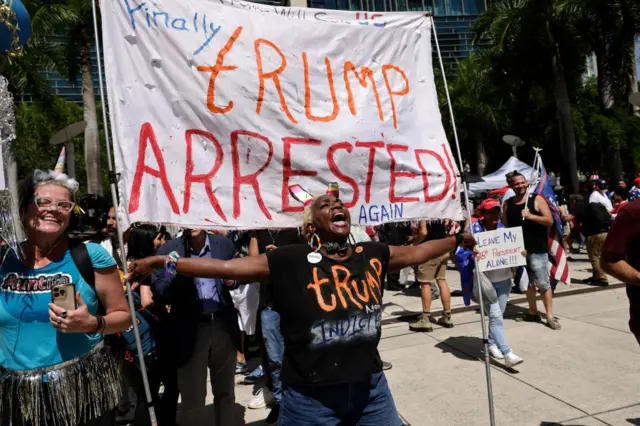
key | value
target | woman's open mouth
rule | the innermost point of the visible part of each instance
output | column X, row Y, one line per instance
column 339, row 219
column 49, row 219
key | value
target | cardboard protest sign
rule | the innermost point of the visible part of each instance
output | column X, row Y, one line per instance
column 500, row 249
column 218, row 107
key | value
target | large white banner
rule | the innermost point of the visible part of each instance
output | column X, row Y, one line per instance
column 218, row 107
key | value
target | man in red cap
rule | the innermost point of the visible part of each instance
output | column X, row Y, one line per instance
column 634, row 193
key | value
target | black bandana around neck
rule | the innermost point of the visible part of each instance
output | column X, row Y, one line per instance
column 336, row 248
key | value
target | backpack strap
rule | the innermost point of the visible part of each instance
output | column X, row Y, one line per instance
column 82, row 260
column 80, row 256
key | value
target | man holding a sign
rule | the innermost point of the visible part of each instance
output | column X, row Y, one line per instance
column 532, row 213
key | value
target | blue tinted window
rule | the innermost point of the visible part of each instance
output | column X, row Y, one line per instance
column 473, row 7
column 439, row 7
column 454, row 7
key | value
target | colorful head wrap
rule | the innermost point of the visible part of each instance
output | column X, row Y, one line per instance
column 306, row 198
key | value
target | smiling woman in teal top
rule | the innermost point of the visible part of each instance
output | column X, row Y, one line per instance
column 54, row 367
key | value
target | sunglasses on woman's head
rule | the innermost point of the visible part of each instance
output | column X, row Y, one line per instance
column 44, row 202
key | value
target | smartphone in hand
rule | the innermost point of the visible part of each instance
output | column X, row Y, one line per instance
column 64, row 295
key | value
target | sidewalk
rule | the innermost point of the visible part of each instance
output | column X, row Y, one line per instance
column 586, row 374
column 404, row 305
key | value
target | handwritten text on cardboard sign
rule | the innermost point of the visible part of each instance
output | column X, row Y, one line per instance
column 500, row 249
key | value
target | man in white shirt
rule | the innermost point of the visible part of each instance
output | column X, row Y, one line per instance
column 598, row 195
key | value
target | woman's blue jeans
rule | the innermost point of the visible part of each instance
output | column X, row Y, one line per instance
column 274, row 344
column 495, row 312
column 367, row 403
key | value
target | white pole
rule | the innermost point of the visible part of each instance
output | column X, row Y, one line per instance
column 537, row 161
column 487, row 361
column 114, row 197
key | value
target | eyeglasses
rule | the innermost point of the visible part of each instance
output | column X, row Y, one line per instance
column 44, row 203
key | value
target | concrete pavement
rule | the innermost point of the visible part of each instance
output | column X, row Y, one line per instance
column 405, row 304
column 586, row 374
column 582, row 375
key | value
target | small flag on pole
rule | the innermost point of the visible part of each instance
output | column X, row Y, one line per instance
column 60, row 164
column 559, row 268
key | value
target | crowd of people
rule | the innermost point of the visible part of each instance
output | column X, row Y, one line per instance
column 309, row 298
column 68, row 363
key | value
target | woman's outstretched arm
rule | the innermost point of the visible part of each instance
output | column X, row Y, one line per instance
column 403, row 256
column 252, row 268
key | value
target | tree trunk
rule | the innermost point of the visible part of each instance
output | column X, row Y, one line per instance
column 565, row 122
column 615, row 164
column 91, row 140
column 604, row 86
column 606, row 97
column 481, row 156
column 632, row 86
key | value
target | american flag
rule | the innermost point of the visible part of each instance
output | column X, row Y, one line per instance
column 559, row 267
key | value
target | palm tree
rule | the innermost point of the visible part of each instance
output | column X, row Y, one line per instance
column 531, row 35
column 476, row 104
column 610, row 28
column 60, row 41
column 24, row 71
column 41, row 53
column 78, row 53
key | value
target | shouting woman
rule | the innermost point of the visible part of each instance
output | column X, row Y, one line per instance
column 329, row 296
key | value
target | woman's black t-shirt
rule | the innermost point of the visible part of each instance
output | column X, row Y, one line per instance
column 329, row 313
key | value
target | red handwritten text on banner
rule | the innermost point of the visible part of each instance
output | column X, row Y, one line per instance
column 217, row 108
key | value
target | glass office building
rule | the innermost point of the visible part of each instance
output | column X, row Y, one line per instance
column 71, row 91
column 453, row 20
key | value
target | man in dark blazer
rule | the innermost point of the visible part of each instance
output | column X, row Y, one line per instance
column 204, row 326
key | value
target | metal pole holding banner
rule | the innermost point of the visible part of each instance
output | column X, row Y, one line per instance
column 487, row 361
column 114, row 197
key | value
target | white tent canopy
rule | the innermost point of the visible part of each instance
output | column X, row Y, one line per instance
column 497, row 180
